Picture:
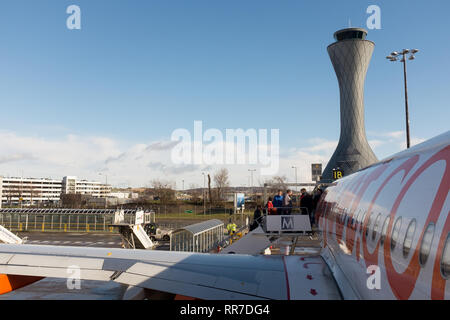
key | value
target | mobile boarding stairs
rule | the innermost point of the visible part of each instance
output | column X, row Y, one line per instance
column 134, row 235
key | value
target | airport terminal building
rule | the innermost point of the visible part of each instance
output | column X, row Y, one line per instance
column 30, row 191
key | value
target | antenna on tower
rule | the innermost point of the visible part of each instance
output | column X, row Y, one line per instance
column 349, row 23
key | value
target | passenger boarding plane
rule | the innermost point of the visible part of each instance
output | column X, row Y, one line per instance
column 385, row 232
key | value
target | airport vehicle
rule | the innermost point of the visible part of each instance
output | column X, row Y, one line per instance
column 385, row 229
column 157, row 233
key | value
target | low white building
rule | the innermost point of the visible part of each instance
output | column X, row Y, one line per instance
column 124, row 195
column 30, row 191
column 71, row 185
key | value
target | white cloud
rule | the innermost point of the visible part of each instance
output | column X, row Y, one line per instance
column 320, row 145
column 136, row 164
column 414, row 141
column 390, row 134
column 15, row 157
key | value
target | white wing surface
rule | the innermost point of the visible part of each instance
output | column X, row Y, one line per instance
column 202, row 276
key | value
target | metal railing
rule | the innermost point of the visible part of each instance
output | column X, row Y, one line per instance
column 65, row 220
column 59, row 222
column 228, row 240
column 287, row 210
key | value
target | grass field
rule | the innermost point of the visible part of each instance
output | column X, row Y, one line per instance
column 199, row 216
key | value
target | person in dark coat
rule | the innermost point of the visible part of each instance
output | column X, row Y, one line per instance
column 306, row 202
column 316, row 199
column 257, row 217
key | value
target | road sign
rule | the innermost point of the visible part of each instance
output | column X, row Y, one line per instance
column 316, row 171
column 337, row 173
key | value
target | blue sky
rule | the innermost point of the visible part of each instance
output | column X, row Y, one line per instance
column 138, row 70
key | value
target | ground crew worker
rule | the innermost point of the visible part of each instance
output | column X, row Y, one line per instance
column 231, row 227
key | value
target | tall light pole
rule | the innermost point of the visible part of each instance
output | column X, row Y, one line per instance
column 394, row 57
column 106, row 189
column 294, row 167
column 204, row 198
column 251, row 179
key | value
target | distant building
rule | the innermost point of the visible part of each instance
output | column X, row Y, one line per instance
column 29, row 191
column 71, row 185
column 183, row 196
column 124, row 195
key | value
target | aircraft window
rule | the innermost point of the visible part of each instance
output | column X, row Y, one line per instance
column 349, row 220
column 369, row 224
column 376, row 227
column 362, row 222
column 324, row 209
column 445, row 260
column 425, row 246
column 355, row 220
column 385, row 227
column 409, row 238
column 395, row 232
column 343, row 217
column 360, row 214
column 327, row 212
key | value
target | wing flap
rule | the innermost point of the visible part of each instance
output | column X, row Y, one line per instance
column 181, row 288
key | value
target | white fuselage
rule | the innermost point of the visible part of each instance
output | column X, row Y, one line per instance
column 393, row 215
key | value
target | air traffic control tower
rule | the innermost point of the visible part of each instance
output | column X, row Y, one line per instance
column 350, row 55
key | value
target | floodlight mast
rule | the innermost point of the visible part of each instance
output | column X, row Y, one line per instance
column 394, row 57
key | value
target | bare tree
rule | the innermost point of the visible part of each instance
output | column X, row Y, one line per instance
column 164, row 190
column 195, row 191
column 276, row 183
column 221, row 182
column 71, row 200
column 13, row 191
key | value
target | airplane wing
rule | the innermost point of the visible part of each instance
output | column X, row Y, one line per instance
column 202, row 276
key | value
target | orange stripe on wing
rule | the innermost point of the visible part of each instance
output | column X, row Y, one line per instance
column 10, row 283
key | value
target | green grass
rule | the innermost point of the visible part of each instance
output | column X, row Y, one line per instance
column 199, row 216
